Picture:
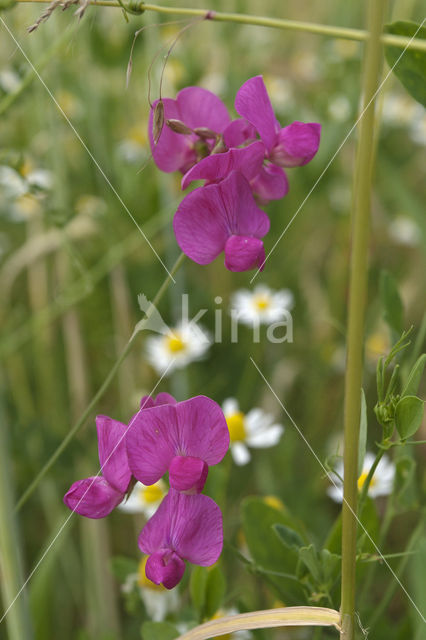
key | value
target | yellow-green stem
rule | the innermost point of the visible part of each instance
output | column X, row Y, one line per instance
column 357, row 298
column 98, row 395
column 343, row 33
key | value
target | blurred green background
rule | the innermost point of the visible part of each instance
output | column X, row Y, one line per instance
column 72, row 263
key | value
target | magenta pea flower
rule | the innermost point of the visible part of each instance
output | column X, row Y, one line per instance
column 196, row 109
column 185, row 527
column 183, row 438
column 222, row 217
column 291, row 146
column 147, row 402
column 97, row 496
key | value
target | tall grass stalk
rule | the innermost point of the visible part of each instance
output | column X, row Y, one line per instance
column 18, row 618
column 357, row 301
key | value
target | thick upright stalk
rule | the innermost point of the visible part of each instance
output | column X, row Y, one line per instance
column 357, row 297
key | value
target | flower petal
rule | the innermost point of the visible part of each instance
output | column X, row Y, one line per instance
column 238, row 132
column 218, row 166
column 241, row 213
column 190, row 525
column 203, row 432
column 112, row 452
column 173, row 150
column 165, row 568
column 147, row 402
column 243, row 253
column 240, row 453
column 188, row 474
column 198, row 225
column 151, row 442
column 201, row 108
column 267, row 437
column 253, row 103
column 271, row 183
column 92, row 497
column 296, row 144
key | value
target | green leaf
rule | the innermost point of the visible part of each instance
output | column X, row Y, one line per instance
column 267, row 550
column 408, row 416
column 362, row 433
column 410, row 67
column 330, row 563
column 197, row 589
column 159, row 631
column 414, row 377
column 391, row 301
column 370, row 522
column 309, row 557
column 215, row 591
column 288, row 537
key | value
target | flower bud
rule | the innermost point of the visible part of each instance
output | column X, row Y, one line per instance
column 178, row 126
column 205, row 133
column 158, row 121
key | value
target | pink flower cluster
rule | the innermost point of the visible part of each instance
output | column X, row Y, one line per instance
column 242, row 161
column 182, row 439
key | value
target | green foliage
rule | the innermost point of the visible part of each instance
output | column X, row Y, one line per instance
column 410, row 66
column 370, row 522
column 393, row 309
column 404, row 489
column 414, row 377
column 159, row 631
column 408, row 416
column 207, row 588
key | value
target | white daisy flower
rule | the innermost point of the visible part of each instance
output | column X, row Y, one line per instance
column 144, row 499
column 381, row 483
column 261, row 306
column 403, row 230
column 182, row 345
column 158, row 600
column 12, row 184
column 255, row 429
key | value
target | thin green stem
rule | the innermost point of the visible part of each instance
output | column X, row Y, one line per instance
column 98, row 395
column 367, row 482
column 332, row 31
column 357, row 298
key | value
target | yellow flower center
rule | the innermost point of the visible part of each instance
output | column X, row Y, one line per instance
column 235, row 422
column 261, row 302
column 175, row 343
column 143, row 580
column 362, row 478
column 151, row 494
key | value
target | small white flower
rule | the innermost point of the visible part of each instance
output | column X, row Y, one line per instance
column 183, row 344
column 261, row 306
column 9, row 80
column 398, row 110
column 403, row 230
column 255, row 429
column 144, row 499
column 158, row 600
column 12, row 184
column 40, row 179
column 381, row 483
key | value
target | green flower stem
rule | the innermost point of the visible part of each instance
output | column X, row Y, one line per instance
column 98, row 395
column 367, row 482
column 18, row 619
column 343, row 33
column 357, row 298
